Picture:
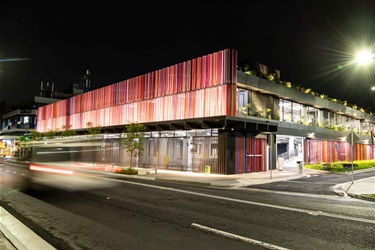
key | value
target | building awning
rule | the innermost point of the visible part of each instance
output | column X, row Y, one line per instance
column 249, row 124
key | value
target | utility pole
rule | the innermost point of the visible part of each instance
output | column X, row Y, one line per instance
column 352, row 142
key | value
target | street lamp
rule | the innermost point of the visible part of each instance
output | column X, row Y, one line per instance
column 364, row 57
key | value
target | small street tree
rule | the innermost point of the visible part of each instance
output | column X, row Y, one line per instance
column 50, row 134
column 133, row 140
column 66, row 131
column 35, row 135
column 92, row 130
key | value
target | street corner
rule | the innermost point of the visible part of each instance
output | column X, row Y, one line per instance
column 298, row 176
column 230, row 183
column 340, row 189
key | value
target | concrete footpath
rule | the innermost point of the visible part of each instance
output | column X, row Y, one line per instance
column 14, row 235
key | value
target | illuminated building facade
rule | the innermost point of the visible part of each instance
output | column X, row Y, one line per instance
column 206, row 112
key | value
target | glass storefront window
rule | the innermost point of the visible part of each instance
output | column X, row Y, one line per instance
column 215, row 132
column 242, row 103
column 191, row 133
column 332, row 120
column 213, row 153
column 180, row 133
column 338, row 121
column 296, row 111
column 324, row 118
column 254, row 103
column 367, row 126
column 286, row 110
column 155, row 134
column 151, row 152
column 177, row 148
column 312, row 116
column 204, row 132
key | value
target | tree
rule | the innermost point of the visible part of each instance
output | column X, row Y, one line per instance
column 50, row 134
column 35, row 135
column 92, row 130
column 133, row 140
column 66, row 131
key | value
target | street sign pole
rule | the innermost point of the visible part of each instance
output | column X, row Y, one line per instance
column 352, row 142
column 270, row 139
column 271, row 158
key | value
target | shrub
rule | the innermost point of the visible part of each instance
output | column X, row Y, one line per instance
column 129, row 171
column 335, row 167
column 339, row 167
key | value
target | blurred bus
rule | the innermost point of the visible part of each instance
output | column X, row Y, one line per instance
column 65, row 164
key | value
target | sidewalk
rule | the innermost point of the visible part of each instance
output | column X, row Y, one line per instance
column 233, row 180
column 13, row 232
column 358, row 189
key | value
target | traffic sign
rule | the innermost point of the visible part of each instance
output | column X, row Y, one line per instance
column 352, row 140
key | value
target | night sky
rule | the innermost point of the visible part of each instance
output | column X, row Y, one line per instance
column 305, row 40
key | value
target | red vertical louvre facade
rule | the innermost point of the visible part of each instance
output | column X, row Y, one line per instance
column 251, row 155
column 364, row 152
column 202, row 87
column 324, row 151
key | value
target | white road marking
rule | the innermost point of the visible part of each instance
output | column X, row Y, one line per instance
column 325, row 196
column 251, row 202
column 238, row 237
column 323, row 183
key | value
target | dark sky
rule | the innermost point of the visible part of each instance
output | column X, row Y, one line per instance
column 305, row 40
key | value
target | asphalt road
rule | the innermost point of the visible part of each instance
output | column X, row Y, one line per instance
column 141, row 214
column 320, row 184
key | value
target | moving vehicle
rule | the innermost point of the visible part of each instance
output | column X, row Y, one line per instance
column 65, row 165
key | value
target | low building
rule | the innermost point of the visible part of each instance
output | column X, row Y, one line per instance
column 207, row 112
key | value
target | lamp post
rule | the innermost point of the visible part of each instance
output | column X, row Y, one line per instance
column 363, row 58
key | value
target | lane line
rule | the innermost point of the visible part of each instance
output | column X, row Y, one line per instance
column 237, row 237
column 304, row 182
column 325, row 196
column 344, row 217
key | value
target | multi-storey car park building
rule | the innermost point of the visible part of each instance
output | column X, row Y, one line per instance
column 207, row 112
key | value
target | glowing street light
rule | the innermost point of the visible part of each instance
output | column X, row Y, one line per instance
column 364, row 57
